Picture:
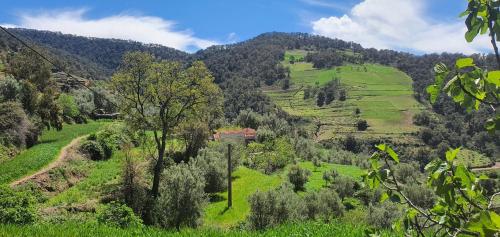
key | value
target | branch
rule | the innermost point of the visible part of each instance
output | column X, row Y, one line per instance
column 473, row 96
column 492, row 34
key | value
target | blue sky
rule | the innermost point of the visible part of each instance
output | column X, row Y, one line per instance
column 409, row 25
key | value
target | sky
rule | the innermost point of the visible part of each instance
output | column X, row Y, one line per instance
column 417, row 26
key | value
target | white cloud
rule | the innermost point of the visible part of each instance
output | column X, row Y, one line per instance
column 325, row 3
column 146, row 29
column 398, row 24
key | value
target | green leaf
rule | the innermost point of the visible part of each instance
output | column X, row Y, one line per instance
column 465, row 13
column 494, row 78
column 433, row 91
column 487, row 223
column 381, row 147
column 465, row 62
column 452, row 154
column 384, row 197
column 392, row 154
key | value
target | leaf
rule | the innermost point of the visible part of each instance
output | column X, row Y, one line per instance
column 381, row 147
column 384, row 197
column 464, row 62
column 487, row 223
column 452, row 154
column 392, row 154
column 433, row 91
column 494, row 78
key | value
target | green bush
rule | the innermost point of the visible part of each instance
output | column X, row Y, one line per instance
column 265, row 134
column 69, row 107
column 16, row 207
column 274, row 207
column 249, row 119
column 118, row 215
column 93, row 149
column 182, row 198
column 298, row 177
column 345, row 186
column 383, row 215
column 324, row 204
column 214, row 167
column 362, row 125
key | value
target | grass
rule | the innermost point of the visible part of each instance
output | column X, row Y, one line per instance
column 40, row 155
column 335, row 228
column 383, row 94
column 246, row 182
column 316, row 181
column 103, row 175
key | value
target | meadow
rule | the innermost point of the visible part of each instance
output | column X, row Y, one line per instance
column 35, row 158
column 384, row 96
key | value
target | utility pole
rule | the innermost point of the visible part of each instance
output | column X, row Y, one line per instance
column 229, row 181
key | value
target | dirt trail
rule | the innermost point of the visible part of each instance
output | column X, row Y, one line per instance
column 494, row 167
column 62, row 156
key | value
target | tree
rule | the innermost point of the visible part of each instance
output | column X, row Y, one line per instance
column 362, row 125
column 298, row 177
column 320, row 100
column 159, row 96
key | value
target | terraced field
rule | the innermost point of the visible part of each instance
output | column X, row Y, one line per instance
column 382, row 94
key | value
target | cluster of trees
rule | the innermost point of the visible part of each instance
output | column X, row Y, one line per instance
column 332, row 58
column 326, row 94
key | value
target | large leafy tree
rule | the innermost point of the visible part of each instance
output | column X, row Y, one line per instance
column 462, row 207
column 159, row 96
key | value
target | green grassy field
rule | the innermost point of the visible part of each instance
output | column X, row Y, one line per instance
column 247, row 181
column 316, row 181
column 103, row 175
column 383, row 95
column 38, row 156
column 335, row 228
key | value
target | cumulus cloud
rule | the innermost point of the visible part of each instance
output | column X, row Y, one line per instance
column 146, row 29
column 398, row 24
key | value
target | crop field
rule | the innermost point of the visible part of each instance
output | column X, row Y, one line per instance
column 40, row 155
column 382, row 94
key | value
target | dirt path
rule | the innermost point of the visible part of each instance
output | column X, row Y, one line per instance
column 494, row 167
column 53, row 164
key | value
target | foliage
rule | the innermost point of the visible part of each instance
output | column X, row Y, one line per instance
column 345, row 186
column 265, row 134
column 383, row 215
column 118, row 215
column 15, row 127
column 93, row 149
column 213, row 165
column 460, row 207
column 16, row 207
column 273, row 207
column 298, row 177
column 249, row 119
column 159, row 96
column 181, row 197
column 324, row 204
column 69, row 107
column 361, row 125
column 270, row 156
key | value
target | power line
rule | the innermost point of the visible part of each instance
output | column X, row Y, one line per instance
column 54, row 64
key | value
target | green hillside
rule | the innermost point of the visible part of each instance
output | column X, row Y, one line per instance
column 382, row 94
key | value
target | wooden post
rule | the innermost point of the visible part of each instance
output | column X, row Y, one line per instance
column 229, row 181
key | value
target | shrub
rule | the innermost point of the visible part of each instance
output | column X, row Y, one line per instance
column 10, row 90
column 382, row 216
column 118, row 215
column 214, row 167
column 298, row 177
column 320, row 100
column 273, row 207
column 69, row 107
column 351, row 144
column 324, row 204
column 181, row 197
column 93, row 149
column 85, row 101
column 133, row 186
column 420, row 195
column 249, row 119
column 265, row 134
column 362, row 125
column 16, row 207
column 15, row 128
column 344, row 186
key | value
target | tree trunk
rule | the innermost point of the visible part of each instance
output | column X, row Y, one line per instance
column 157, row 170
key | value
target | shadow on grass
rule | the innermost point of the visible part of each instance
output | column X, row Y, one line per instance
column 216, row 198
column 46, row 141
